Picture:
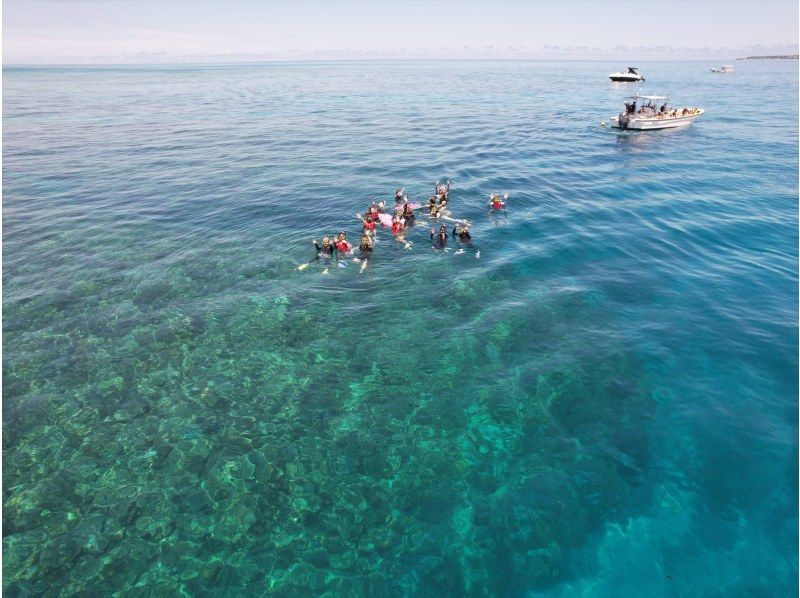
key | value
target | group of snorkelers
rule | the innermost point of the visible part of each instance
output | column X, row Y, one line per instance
column 340, row 246
column 399, row 221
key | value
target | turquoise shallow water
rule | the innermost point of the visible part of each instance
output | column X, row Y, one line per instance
column 604, row 403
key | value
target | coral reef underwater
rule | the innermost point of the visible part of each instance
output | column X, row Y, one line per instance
column 216, row 427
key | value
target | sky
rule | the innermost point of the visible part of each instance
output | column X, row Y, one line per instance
column 177, row 31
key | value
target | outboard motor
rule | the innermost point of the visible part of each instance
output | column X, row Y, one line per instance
column 624, row 119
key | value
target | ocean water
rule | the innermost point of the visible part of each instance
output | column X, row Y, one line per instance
column 601, row 402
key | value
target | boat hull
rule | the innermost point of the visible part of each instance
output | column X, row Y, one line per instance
column 653, row 124
column 624, row 79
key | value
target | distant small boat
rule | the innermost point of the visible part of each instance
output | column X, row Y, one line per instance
column 725, row 68
column 630, row 77
column 645, row 114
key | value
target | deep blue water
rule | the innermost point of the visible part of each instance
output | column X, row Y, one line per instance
column 603, row 403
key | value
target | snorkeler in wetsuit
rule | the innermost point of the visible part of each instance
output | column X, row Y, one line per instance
column 439, row 239
column 327, row 248
column 365, row 247
column 324, row 252
column 443, row 190
column 462, row 232
column 408, row 213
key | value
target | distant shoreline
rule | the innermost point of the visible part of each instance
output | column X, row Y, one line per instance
column 332, row 61
column 781, row 57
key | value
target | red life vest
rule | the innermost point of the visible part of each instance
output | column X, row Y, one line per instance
column 343, row 246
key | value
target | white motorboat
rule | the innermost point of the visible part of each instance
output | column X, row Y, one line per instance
column 647, row 113
column 725, row 68
column 630, row 77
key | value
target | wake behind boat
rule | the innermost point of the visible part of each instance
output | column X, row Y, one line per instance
column 631, row 76
column 647, row 113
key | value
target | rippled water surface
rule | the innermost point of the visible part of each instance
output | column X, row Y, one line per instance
column 603, row 401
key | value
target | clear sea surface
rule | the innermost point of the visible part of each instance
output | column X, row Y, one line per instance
column 601, row 402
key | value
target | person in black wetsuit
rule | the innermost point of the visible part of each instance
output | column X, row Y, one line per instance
column 443, row 190
column 327, row 248
column 408, row 214
column 433, row 205
column 324, row 252
column 462, row 232
column 439, row 239
column 365, row 246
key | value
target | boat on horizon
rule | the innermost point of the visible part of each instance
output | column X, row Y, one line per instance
column 645, row 114
column 631, row 76
column 725, row 68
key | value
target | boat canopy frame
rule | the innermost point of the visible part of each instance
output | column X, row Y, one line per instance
column 650, row 98
column 647, row 101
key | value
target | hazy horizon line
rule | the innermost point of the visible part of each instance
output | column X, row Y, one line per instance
column 656, row 53
column 364, row 59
